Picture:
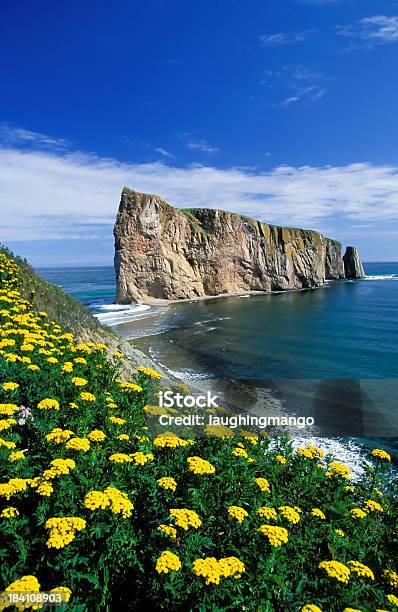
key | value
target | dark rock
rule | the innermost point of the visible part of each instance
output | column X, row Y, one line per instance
column 352, row 264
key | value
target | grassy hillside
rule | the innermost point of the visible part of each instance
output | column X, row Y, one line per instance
column 105, row 516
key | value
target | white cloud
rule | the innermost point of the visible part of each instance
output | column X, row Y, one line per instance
column 283, row 38
column 50, row 195
column 163, row 152
column 201, row 145
column 298, row 84
column 375, row 29
column 18, row 136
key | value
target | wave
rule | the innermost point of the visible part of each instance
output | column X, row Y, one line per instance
column 378, row 277
column 114, row 314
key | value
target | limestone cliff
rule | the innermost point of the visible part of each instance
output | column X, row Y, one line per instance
column 170, row 253
column 352, row 264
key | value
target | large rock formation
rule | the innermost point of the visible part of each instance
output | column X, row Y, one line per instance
column 352, row 264
column 171, row 253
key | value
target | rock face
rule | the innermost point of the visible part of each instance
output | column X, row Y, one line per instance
column 170, row 253
column 352, row 264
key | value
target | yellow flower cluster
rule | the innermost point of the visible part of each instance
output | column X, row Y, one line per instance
column 185, row 518
column 59, row 467
column 117, row 420
column 10, row 386
column 96, row 435
column 373, row 506
column 8, row 409
column 361, row 570
column 9, row 513
column 58, row 435
column 318, row 513
column 393, row 600
column 170, row 440
column 167, row 483
column 263, row 484
column 200, row 466
column 151, row 373
column 78, row 444
column 48, row 404
column 219, row 431
column 16, row 456
column 168, row 562
column 240, row 451
column 168, row 530
column 391, row 577
column 358, row 513
column 289, row 514
column 79, row 382
column 381, row 454
column 337, row 570
column 338, row 469
column 87, row 397
column 127, row 386
column 310, row 608
column 281, row 459
column 13, row 486
column 213, row 570
column 267, row 512
column 237, row 513
column 63, row 530
column 117, row 501
column 310, row 452
column 276, row 535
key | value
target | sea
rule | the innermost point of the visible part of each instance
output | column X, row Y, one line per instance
column 330, row 353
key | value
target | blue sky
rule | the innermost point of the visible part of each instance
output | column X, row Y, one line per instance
column 282, row 110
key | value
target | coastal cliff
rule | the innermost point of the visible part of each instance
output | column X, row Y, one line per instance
column 162, row 252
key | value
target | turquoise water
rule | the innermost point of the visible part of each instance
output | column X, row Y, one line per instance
column 335, row 347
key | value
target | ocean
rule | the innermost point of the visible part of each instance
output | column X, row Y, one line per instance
column 330, row 352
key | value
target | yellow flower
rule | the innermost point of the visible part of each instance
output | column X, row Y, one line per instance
column 267, row 512
column 200, row 466
column 64, row 592
column 318, row 513
column 33, row 367
column 9, row 513
column 26, row 584
column 151, row 373
column 336, row 570
column 123, row 437
column 87, row 397
column 281, row 459
column 120, row 458
column 73, row 405
column 96, row 435
column 10, row 386
column 67, row 367
column 127, row 386
column 80, row 360
column 79, row 382
column 52, row 360
column 361, row 570
column 78, row 444
column 391, row 577
column 167, row 483
column 338, row 469
column 114, row 499
column 16, row 456
column 168, row 562
column 8, row 409
column 48, row 404
column 290, row 514
column 168, row 530
column 381, row 454
column 373, row 506
column 310, row 452
column 237, row 513
column 391, row 598
column 263, row 484
column 170, row 440
column 213, row 570
column 276, row 535
column 358, row 513
column 240, row 452
column 310, row 608
column 58, row 435
column 117, row 420
column 62, row 530
column 340, row 532
column 185, row 518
